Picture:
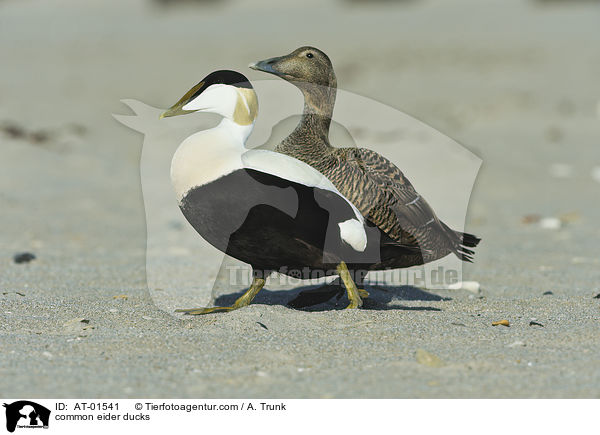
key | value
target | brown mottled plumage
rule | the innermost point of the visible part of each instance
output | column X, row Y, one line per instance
column 371, row 182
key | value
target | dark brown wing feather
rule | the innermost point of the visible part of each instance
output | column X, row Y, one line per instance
column 387, row 198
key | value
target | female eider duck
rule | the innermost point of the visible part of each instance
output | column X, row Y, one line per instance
column 372, row 183
column 264, row 208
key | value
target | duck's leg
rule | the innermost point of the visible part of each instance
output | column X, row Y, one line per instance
column 359, row 278
column 242, row 301
column 353, row 294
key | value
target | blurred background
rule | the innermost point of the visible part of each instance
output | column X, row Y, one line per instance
column 514, row 81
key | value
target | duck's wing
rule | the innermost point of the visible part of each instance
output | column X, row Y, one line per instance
column 349, row 219
column 387, row 198
column 290, row 168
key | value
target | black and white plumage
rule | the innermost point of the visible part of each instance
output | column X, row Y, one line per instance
column 266, row 209
column 411, row 233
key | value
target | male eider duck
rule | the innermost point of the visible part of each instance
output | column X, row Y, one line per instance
column 264, row 208
column 372, row 183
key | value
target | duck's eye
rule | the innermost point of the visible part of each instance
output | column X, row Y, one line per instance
column 309, row 55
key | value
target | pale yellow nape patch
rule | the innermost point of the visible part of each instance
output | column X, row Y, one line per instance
column 246, row 107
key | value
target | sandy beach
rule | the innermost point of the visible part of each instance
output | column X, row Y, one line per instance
column 514, row 82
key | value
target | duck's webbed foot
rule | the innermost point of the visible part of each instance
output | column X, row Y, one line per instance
column 353, row 292
column 359, row 279
column 197, row 311
column 243, row 301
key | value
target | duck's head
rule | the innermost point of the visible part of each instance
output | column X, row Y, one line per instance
column 303, row 65
column 227, row 93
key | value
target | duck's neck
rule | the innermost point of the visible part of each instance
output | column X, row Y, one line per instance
column 208, row 155
column 239, row 132
column 310, row 140
column 318, row 109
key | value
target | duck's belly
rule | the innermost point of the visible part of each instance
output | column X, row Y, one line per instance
column 269, row 222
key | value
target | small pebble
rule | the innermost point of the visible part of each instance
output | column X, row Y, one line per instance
column 550, row 223
column 548, row 293
column 124, row 297
column 47, row 354
column 76, row 321
column 23, row 257
column 501, row 322
column 597, row 296
column 517, row 344
column 79, row 326
column 113, row 310
column 471, row 286
column 428, row 359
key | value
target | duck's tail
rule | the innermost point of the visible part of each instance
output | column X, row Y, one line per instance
column 462, row 243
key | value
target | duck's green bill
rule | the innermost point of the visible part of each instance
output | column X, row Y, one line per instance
column 177, row 108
